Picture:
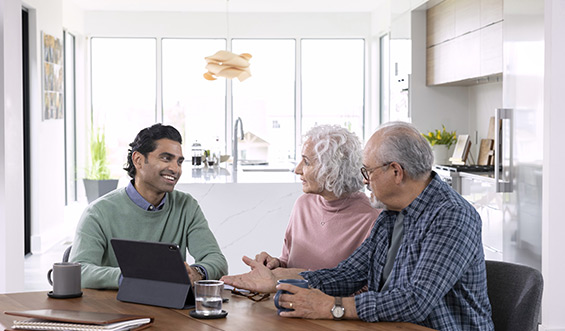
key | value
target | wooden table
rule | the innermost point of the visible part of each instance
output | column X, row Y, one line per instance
column 243, row 314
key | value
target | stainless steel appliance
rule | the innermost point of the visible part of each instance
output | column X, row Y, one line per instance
column 520, row 138
column 510, row 200
column 451, row 174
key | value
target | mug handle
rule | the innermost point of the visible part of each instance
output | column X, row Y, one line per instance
column 49, row 277
column 276, row 300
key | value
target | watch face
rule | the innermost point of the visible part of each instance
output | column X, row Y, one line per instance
column 338, row 312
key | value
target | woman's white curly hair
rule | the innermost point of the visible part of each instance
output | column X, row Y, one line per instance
column 339, row 155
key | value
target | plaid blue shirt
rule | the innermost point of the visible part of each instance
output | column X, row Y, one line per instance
column 439, row 277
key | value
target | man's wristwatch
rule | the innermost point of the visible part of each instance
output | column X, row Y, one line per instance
column 200, row 272
column 338, row 311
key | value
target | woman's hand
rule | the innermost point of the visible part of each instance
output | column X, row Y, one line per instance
column 267, row 260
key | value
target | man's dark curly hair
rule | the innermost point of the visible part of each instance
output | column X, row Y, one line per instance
column 144, row 142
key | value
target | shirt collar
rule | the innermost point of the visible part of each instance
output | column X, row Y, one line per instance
column 140, row 201
column 416, row 207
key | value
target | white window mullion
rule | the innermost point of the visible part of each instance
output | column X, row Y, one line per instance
column 298, row 102
column 159, row 84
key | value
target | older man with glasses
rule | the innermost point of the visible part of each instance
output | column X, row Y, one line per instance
column 423, row 261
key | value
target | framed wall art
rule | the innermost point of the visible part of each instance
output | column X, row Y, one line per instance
column 52, row 68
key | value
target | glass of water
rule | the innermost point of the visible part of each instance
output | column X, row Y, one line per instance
column 208, row 295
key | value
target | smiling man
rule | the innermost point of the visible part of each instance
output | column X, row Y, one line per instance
column 147, row 209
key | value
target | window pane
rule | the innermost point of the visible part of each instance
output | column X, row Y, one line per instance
column 332, row 83
column 192, row 104
column 265, row 101
column 123, row 92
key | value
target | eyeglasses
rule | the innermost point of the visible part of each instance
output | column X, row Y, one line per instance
column 367, row 172
column 255, row 296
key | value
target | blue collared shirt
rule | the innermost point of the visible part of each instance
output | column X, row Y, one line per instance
column 140, row 201
column 439, row 276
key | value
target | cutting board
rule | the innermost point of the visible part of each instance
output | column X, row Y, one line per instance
column 484, row 151
column 490, row 132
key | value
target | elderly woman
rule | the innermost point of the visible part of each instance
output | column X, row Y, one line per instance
column 333, row 218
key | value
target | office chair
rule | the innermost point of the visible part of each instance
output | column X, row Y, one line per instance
column 67, row 253
column 515, row 293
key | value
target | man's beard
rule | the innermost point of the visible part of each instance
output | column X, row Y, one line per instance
column 375, row 203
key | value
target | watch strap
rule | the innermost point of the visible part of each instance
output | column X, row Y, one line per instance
column 338, row 311
column 200, row 271
column 338, row 301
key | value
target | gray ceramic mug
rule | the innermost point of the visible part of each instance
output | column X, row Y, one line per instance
column 66, row 280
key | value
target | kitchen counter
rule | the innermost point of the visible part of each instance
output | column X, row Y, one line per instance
column 483, row 176
column 276, row 173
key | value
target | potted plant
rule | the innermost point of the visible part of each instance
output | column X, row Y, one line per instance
column 441, row 141
column 97, row 180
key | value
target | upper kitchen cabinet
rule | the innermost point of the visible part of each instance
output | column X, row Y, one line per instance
column 464, row 42
column 491, row 12
column 441, row 23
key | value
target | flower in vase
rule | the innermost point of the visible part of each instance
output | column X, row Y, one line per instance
column 441, row 137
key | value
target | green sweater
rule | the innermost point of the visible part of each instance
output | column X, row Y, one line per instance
column 181, row 221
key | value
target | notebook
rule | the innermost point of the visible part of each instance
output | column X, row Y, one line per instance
column 153, row 274
column 58, row 319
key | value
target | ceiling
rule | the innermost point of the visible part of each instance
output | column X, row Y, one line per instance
column 258, row 6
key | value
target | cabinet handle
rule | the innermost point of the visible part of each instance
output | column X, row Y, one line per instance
column 503, row 149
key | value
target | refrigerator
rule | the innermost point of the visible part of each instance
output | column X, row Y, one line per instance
column 519, row 142
column 510, row 200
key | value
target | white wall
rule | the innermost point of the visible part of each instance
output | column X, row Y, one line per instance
column 210, row 25
column 47, row 144
column 433, row 106
column 483, row 99
column 553, row 225
column 11, row 147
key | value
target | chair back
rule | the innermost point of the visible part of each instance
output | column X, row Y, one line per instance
column 515, row 293
column 67, row 253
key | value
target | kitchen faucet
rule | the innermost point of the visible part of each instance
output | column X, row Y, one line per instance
column 235, row 142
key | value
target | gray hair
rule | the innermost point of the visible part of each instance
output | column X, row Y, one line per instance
column 403, row 143
column 340, row 157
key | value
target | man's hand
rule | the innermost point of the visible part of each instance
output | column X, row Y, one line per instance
column 267, row 260
column 307, row 303
column 259, row 279
column 192, row 273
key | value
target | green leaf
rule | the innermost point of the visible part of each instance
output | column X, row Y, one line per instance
column 98, row 169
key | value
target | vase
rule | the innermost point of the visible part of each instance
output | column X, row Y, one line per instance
column 97, row 188
column 441, row 154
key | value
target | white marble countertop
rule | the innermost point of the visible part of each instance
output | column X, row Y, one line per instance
column 276, row 173
column 246, row 218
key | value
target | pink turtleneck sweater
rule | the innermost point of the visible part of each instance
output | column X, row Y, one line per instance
column 322, row 233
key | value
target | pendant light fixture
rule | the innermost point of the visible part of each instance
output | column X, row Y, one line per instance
column 227, row 64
